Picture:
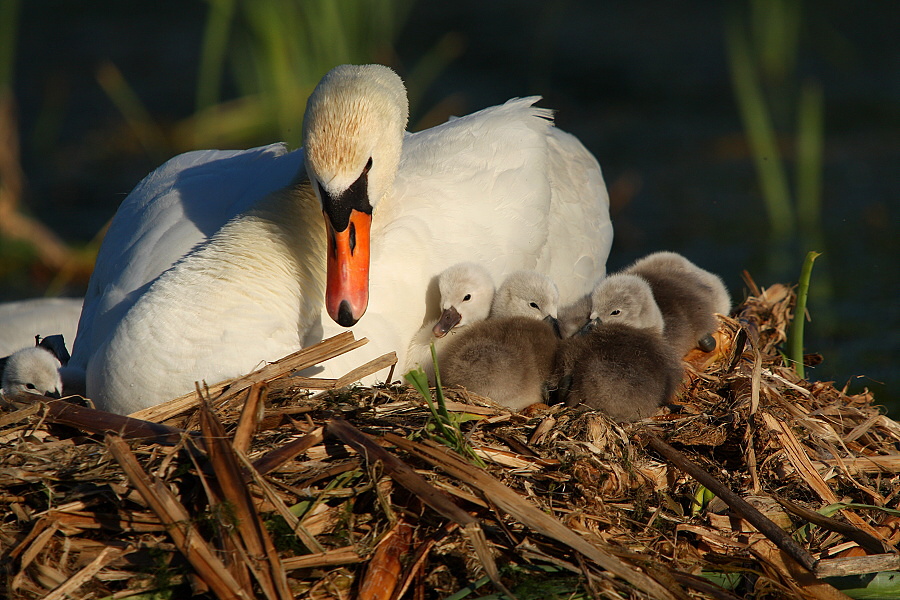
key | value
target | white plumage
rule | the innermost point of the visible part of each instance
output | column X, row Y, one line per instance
column 32, row 370
column 20, row 321
column 501, row 187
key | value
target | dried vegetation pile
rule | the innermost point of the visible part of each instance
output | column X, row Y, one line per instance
column 279, row 492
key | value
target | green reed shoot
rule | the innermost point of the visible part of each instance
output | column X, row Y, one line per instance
column 446, row 424
column 795, row 340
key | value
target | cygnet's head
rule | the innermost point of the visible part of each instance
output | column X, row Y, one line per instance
column 34, row 370
column 672, row 263
column 627, row 300
column 527, row 294
column 467, row 292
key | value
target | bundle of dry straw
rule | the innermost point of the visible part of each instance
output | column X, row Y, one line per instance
column 752, row 484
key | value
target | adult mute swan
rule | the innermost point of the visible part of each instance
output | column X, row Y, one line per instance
column 219, row 261
column 21, row 320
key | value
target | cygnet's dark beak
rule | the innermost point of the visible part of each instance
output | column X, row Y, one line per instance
column 707, row 343
column 53, row 394
column 589, row 326
column 554, row 323
column 449, row 319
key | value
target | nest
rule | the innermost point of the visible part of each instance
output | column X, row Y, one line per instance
column 752, row 484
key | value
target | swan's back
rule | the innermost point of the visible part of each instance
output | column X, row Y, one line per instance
column 172, row 210
column 527, row 195
column 580, row 207
column 20, row 321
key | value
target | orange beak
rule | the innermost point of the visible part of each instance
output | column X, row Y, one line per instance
column 347, row 289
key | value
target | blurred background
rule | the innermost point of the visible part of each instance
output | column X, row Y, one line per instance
column 742, row 134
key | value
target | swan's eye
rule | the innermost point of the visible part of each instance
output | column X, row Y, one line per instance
column 534, row 305
column 615, row 312
column 467, row 297
column 368, row 166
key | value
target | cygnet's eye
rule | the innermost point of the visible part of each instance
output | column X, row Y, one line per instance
column 467, row 297
column 534, row 305
column 615, row 312
column 30, row 386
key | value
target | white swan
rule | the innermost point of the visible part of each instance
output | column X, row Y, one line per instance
column 21, row 320
column 501, row 187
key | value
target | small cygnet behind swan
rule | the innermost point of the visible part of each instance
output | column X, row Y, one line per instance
column 32, row 370
column 621, row 365
column 688, row 297
column 508, row 357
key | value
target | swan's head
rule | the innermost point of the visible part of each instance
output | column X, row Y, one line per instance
column 527, row 294
column 353, row 135
column 467, row 292
column 627, row 300
column 33, row 370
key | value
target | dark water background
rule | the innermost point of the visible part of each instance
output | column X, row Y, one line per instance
column 644, row 84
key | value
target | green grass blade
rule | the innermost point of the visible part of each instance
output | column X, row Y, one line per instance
column 810, row 150
column 438, row 388
column 212, row 55
column 760, row 134
column 419, row 381
column 795, row 342
column 145, row 129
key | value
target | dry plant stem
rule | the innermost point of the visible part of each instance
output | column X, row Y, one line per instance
column 415, row 483
column 98, row 421
column 281, row 508
column 414, row 568
column 263, row 560
column 277, row 457
column 385, row 566
column 106, row 556
column 527, row 513
column 338, row 556
column 751, row 420
column 302, row 359
column 803, row 583
column 747, row 512
column 797, row 456
column 171, row 512
column 250, row 417
column 867, row 541
column 703, row 585
column 857, row 565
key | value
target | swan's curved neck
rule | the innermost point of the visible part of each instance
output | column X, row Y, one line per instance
column 280, row 243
